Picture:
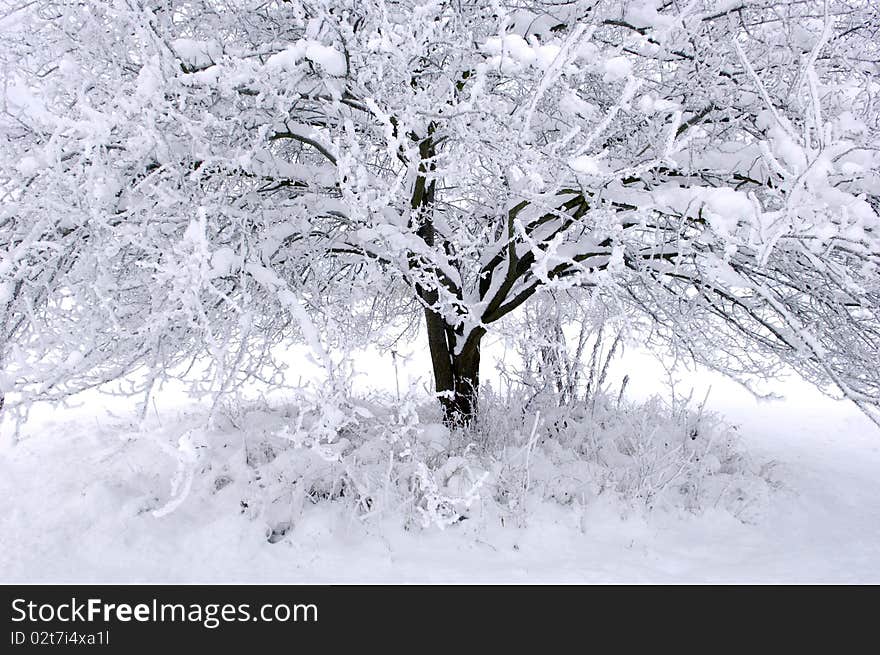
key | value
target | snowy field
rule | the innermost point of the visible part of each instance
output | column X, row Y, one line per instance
column 77, row 484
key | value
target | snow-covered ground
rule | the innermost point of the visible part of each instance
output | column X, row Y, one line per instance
column 74, row 490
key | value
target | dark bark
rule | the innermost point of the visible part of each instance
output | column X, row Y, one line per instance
column 466, row 384
column 456, row 371
column 456, row 376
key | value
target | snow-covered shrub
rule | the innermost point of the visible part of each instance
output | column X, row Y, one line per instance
column 653, row 454
column 373, row 455
column 570, row 435
column 378, row 459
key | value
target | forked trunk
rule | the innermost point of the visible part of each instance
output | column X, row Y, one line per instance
column 456, row 376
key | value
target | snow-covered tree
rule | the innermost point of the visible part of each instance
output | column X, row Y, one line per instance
column 184, row 179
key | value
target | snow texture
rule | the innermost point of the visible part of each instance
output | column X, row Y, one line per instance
column 85, row 502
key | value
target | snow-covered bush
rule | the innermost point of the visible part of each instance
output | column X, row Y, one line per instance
column 653, row 454
column 373, row 455
column 384, row 461
column 586, row 438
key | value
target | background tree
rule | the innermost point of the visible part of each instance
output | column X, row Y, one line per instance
column 202, row 181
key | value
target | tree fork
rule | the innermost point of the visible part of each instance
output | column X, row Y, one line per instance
column 456, row 375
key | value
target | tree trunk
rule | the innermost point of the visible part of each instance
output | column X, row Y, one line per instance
column 456, row 376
